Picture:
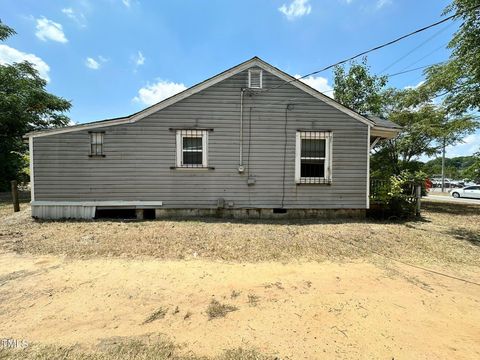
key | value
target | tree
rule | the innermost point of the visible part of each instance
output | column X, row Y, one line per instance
column 473, row 171
column 25, row 106
column 358, row 89
column 426, row 126
column 459, row 78
column 455, row 168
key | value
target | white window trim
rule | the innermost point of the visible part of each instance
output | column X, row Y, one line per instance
column 192, row 133
column 94, row 136
column 256, row 71
column 328, row 136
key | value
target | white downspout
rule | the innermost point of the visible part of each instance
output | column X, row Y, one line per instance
column 241, row 167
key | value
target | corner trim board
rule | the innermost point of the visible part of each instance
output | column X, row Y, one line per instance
column 368, row 168
column 32, row 176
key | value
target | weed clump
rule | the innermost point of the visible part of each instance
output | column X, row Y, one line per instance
column 217, row 310
column 157, row 314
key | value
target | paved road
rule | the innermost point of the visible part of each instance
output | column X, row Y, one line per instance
column 451, row 199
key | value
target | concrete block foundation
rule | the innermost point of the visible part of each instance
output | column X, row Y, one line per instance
column 262, row 213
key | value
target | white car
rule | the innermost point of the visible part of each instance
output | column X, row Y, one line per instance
column 467, row 192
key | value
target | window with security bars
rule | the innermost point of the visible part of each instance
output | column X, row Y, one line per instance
column 255, row 78
column 313, row 157
column 96, row 143
column 192, row 148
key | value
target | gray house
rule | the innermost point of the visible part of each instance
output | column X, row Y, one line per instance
column 250, row 141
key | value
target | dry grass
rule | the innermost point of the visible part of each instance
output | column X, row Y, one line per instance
column 6, row 206
column 253, row 299
column 217, row 310
column 157, row 314
column 447, row 234
column 128, row 350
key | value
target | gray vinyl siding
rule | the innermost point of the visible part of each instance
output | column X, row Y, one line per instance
column 139, row 155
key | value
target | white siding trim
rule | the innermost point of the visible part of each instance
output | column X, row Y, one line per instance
column 368, row 168
column 32, row 177
column 97, row 203
column 330, row 157
column 203, row 85
column 298, row 144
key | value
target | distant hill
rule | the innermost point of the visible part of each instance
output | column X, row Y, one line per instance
column 454, row 167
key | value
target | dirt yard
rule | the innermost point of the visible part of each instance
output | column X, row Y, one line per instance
column 294, row 290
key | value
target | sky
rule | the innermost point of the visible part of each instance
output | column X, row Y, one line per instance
column 112, row 58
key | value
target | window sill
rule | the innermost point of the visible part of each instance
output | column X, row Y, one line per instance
column 317, row 181
column 96, row 156
column 192, row 168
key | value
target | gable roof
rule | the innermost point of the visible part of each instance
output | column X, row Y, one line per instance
column 255, row 61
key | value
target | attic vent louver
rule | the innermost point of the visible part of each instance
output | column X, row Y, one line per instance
column 255, row 79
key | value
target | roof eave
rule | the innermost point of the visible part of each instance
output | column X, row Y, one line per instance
column 384, row 132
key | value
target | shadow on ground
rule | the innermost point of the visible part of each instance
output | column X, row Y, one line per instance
column 472, row 237
column 450, row 208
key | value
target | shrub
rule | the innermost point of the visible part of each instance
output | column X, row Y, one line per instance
column 396, row 197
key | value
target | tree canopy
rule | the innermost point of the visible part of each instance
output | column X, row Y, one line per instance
column 357, row 89
column 427, row 127
column 458, row 79
column 25, row 105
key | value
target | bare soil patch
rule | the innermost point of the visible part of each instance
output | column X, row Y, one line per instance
column 300, row 289
column 302, row 311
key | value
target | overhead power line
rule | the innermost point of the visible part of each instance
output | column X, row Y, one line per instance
column 425, row 56
column 402, row 72
column 417, row 47
column 378, row 47
column 414, row 69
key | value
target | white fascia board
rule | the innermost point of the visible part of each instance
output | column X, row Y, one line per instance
column 193, row 90
column 202, row 86
column 385, row 133
column 80, row 127
column 311, row 91
column 154, row 108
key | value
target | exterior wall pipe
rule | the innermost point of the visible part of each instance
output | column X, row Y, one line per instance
column 240, row 165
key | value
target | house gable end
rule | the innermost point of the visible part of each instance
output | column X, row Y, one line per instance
column 254, row 62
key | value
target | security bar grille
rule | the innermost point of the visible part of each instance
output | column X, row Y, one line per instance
column 192, row 148
column 314, row 157
column 96, row 144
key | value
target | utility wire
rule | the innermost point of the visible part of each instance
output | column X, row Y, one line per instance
column 402, row 72
column 425, row 56
column 414, row 69
column 417, row 47
column 377, row 47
